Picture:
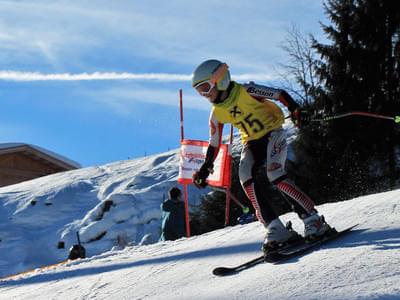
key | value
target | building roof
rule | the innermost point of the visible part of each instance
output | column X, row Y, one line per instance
column 42, row 153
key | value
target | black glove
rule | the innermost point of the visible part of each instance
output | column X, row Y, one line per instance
column 199, row 177
column 301, row 117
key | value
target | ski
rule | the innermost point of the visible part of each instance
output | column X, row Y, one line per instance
column 221, row 271
column 284, row 254
column 281, row 256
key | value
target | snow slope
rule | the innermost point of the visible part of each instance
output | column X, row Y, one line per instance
column 362, row 265
column 38, row 214
column 116, row 209
column 111, row 206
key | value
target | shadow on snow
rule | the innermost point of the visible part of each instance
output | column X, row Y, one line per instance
column 383, row 240
column 212, row 252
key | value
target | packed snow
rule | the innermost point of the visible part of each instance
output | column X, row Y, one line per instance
column 361, row 265
column 116, row 210
column 110, row 206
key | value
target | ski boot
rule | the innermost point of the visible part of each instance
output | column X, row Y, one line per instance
column 279, row 237
column 316, row 228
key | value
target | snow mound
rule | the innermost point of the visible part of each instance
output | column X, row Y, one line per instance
column 111, row 206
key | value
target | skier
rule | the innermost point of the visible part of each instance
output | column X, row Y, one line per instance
column 264, row 145
column 173, row 216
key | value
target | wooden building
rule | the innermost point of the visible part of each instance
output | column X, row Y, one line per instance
column 20, row 162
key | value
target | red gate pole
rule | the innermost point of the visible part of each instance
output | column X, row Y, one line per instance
column 228, row 188
column 181, row 110
column 186, row 210
column 184, row 185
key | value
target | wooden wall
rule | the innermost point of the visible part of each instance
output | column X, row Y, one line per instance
column 20, row 166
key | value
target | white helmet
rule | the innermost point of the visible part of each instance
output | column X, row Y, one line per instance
column 214, row 71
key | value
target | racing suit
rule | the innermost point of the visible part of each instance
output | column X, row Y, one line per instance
column 264, row 143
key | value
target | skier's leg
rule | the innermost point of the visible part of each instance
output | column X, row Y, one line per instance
column 276, row 173
column 303, row 205
column 247, row 167
column 253, row 156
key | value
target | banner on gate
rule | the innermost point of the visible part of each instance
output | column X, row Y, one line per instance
column 192, row 156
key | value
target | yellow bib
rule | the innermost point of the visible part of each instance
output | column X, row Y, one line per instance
column 253, row 118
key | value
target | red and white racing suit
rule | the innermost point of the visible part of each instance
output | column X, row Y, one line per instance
column 264, row 143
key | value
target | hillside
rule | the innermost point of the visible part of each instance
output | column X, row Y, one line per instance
column 111, row 206
column 362, row 265
column 120, row 201
column 116, row 209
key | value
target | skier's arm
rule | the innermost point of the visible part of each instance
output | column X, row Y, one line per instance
column 199, row 178
column 214, row 141
column 299, row 116
column 264, row 92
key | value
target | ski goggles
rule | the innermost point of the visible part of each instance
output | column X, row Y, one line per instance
column 205, row 87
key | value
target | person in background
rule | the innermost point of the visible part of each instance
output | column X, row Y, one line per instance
column 173, row 216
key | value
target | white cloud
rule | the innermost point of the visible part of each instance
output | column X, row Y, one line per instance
column 37, row 76
column 124, row 100
column 264, row 77
column 166, row 31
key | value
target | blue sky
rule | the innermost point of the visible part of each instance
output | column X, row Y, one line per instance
column 98, row 81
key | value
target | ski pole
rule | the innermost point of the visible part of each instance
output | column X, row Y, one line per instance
column 77, row 237
column 396, row 119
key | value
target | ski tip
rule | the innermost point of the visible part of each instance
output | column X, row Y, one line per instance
column 221, row 271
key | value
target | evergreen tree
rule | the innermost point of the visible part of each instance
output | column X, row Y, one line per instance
column 210, row 214
column 360, row 72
